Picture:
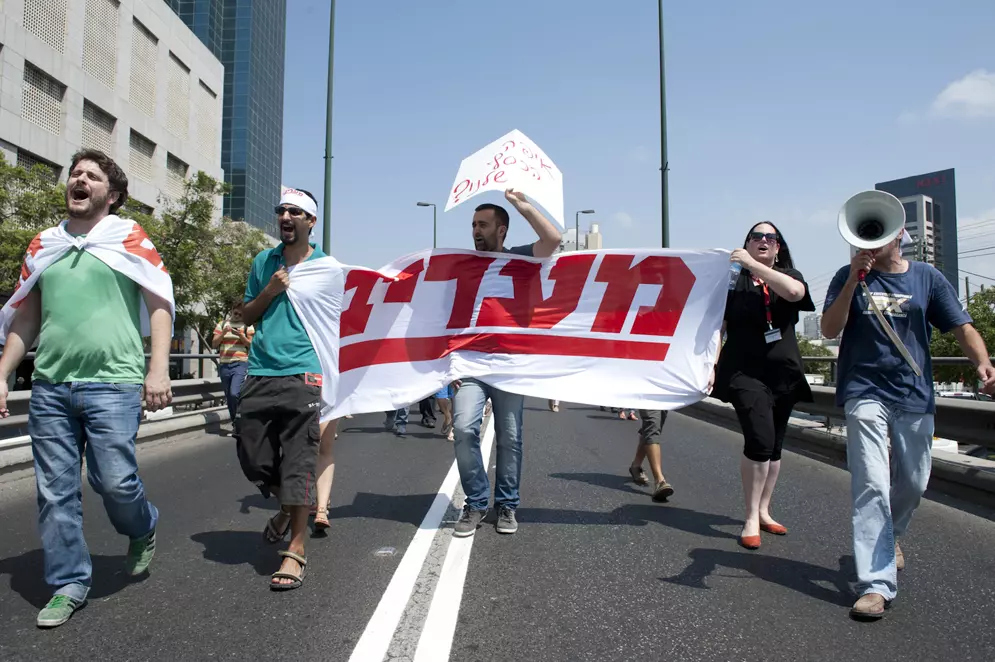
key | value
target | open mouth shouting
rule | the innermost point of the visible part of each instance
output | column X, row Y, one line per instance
column 287, row 230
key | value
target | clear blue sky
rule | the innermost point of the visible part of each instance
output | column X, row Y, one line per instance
column 777, row 110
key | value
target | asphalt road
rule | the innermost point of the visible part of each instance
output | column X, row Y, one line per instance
column 597, row 571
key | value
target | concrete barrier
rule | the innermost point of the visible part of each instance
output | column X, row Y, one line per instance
column 969, row 478
column 15, row 452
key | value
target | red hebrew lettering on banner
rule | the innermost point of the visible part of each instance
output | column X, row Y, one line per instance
column 527, row 308
column 633, row 329
column 468, row 271
column 661, row 320
column 355, row 318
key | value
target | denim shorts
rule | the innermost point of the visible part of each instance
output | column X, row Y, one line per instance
column 446, row 392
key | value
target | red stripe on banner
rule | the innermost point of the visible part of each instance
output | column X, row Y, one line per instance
column 412, row 350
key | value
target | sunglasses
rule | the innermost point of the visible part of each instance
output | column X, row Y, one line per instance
column 759, row 236
column 295, row 212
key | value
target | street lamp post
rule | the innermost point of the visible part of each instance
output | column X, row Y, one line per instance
column 664, row 192
column 577, row 227
column 435, row 232
column 326, row 228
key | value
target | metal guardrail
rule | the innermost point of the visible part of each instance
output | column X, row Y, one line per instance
column 965, row 421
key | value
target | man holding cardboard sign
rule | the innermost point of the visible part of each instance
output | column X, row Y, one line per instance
column 490, row 228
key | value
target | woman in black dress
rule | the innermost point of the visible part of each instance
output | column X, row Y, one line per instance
column 760, row 370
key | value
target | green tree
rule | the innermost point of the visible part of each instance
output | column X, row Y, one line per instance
column 982, row 311
column 808, row 349
column 208, row 258
column 30, row 201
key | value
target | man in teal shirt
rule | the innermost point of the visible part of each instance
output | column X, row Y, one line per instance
column 278, row 413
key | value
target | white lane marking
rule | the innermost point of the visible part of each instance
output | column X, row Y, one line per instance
column 379, row 632
column 436, row 639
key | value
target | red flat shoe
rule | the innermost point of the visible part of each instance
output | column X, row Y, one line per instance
column 776, row 529
column 749, row 542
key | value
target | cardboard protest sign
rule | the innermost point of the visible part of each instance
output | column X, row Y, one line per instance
column 512, row 161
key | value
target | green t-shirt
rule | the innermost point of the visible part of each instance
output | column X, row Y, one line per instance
column 90, row 327
column 281, row 345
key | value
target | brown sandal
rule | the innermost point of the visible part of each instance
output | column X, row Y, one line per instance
column 321, row 519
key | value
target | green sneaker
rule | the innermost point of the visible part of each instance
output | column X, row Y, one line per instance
column 140, row 553
column 58, row 610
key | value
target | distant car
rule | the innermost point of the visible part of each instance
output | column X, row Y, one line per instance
column 965, row 395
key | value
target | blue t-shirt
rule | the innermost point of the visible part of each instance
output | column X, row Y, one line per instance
column 870, row 366
column 281, row 345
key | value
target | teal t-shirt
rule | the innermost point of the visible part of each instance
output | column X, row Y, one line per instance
column 281, row 345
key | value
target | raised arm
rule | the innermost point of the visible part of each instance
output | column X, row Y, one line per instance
column 840, row 294
column 549, row 236
column 783, row 285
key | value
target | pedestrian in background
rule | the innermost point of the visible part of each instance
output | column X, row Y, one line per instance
column 232, row 339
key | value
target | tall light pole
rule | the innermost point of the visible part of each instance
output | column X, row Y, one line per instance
column 663, row 138
column 435, row 231
column 577, row 227
column 326, row 228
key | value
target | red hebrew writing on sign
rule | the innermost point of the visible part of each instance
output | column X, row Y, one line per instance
column 623, row 280
column 468, row 188
column 468, row 271
column 527, row 308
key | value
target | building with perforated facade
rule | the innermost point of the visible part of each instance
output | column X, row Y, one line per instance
column 125, row 76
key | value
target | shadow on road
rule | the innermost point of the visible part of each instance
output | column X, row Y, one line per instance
column 611, row 481
column 27, row 580
column 379, row 430
column 795, row 575
column 239, row 548
column 259, row 502
column 692, row 521
column 406, row 508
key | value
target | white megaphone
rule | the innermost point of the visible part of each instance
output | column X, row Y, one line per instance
column 870, row 220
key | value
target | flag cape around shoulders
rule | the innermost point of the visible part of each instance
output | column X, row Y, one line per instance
column 621, row 328
column 119, row 243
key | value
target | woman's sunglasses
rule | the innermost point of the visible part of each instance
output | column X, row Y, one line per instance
column 769, row 236
column 295, row 212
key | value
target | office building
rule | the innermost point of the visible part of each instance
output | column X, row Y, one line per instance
column 930, row 203
column 249, row 39
column 124, row 76
column 812, row 327
column 592, row 240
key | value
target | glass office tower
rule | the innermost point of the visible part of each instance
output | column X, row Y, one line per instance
column 249, row 37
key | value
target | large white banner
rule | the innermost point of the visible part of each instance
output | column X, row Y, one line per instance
column 620, row 328
column 512, row 161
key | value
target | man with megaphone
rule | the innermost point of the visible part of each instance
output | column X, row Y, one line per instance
column 886, row 308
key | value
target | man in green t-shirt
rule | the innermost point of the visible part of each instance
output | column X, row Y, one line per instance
column 278, row 430
column 86, row 394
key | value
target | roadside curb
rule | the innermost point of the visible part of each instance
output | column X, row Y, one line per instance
column 15, row 453
column 962, row 476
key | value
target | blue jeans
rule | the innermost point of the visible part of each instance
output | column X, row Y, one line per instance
column 396, row 420
column 468, row 412
column 885, row 493
column 101, row 420
column 232, row 376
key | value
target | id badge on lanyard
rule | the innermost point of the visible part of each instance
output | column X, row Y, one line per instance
column 772, row 335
